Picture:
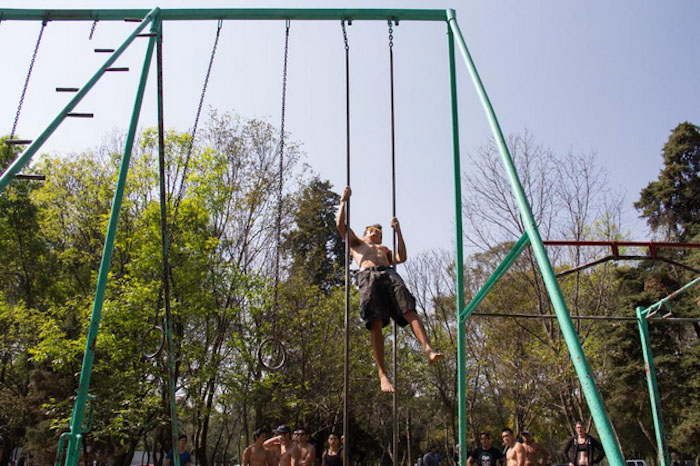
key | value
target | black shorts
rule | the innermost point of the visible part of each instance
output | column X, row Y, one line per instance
column 383, row 295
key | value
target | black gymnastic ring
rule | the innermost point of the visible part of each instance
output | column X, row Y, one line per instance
column 149, row 356
column 277, row 342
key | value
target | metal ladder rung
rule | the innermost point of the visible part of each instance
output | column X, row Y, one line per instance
column 147, row 34
column 104, row 50
column 67, row 89
column 80, row 115
column 118, row 69
column 22, row 176
column 18, row 142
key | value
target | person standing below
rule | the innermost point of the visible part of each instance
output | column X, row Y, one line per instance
column 485, row 455
column 256, row 454
column 534, row 451
column 284, row 451
column 308, row 451
column 432, row 458
column 515, row 452
column 383, row 294
column 583, row 449
column 333, row 456
column 185, row 457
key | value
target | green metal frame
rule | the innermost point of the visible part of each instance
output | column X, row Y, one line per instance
column 642, row 323
column 531, row 236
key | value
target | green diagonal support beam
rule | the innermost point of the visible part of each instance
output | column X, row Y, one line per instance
column 502, row 268
column 73, row 450
column 24, row 159
column 585, row 376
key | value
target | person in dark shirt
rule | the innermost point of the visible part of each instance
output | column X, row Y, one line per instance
column 583, row 449
column 185, row 457
column 485, row 455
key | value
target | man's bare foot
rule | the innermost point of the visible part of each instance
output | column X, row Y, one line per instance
column 386, row 385
column 434, row 356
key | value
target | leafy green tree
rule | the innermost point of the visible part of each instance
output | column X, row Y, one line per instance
column 671, row 204
column 317, row 251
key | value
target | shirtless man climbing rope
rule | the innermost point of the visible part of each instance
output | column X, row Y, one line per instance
column 383, row 294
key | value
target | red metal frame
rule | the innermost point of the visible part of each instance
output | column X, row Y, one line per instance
column 652, row 247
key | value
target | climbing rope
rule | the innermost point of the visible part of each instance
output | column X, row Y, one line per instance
column 26, row 80
column 346, row 359
column 395, row 408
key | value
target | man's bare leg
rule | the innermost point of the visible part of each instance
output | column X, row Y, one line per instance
column 421, row 336
column 377, row 340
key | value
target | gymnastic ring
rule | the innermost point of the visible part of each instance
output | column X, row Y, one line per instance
column 278, row 346
column 155, row 328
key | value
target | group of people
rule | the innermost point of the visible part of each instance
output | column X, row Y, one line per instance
column 285, row 448
column 580, row 450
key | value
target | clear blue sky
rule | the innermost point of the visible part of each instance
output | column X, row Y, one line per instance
column 609, row 77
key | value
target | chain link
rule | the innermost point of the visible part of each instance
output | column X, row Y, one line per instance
column 181, row 190
column 345, row 35
column 92, row 29
column 391, row 34
column 26, row 81
column 280, row 186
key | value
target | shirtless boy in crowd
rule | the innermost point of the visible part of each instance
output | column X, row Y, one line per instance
column 515, row 452
column 534, row 451
column 284, row 452
column 383, row 294
column 308, row 451
column 256, row 454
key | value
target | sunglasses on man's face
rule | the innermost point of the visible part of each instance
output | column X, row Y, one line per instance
column 371, row 229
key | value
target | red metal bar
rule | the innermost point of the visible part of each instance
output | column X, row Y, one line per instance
column 646, row 244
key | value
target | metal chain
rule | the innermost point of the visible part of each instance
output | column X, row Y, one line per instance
column 26, row 81
column 92, row 29
column 391, row 34
column 280, row 186
column 345, row 36
column 181, row 191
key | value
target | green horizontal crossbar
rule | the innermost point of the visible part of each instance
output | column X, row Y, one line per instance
column 182, row 14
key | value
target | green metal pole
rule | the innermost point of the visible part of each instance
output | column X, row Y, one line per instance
column 459, row 257
column 590, row 390
column 646, row 312
column 662, row 451
column 157, row 27
column 175, row 14
column 502, row 268
column 21, row 161
column 79, row 408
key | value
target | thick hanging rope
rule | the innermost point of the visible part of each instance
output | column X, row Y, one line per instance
column 395, row 408
column 26, row 80
column 346, row 362
column 181, row 190
column 280, row 185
